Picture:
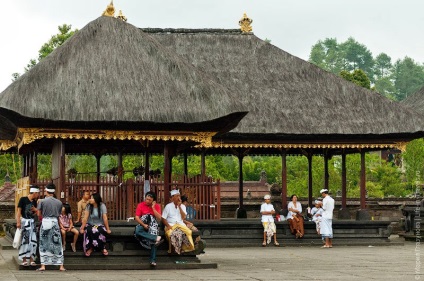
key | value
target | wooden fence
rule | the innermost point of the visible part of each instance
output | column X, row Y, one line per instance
column 121, row 198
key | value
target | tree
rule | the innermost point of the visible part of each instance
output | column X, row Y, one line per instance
column 358, row 77
column 326, row 54
column 408, row 76
column 357, row 56
column 382, row 66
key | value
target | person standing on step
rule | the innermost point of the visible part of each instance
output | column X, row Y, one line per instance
column 327, row 219
column 27, row 209
column 82, row 205
column 51, row 251
column 147, row 214
column 267, row 212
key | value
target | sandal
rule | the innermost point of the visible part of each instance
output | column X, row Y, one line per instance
column 159, row 242
column 40, row 269
column 105, row 252
column 264, row 244
column 33, row 263
column 73, row 247
column 25, row 263
column 276, row 244
column 64, row 269
column 153, row 264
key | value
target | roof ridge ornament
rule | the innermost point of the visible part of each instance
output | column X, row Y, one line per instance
column 110, row 10
column 245, row 24
column 121, row 16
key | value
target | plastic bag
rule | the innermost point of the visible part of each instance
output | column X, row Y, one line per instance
column 17, row 239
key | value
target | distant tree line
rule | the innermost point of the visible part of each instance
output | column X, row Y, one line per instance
column 395, row 80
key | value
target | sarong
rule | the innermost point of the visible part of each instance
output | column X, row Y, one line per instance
column 51, row 252
column 94, row 237
column 178, row 240
column 28, row 247
column 296, row 226
column 326, row 229
column 270, row 229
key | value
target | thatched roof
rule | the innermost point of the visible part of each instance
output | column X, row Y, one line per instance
column 111, row 71
column 415, row 101
column 286, row 96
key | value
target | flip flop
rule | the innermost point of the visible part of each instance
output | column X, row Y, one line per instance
column 73, row 247
column 33, row 263
column 25, row 263
column 105, row 252
column 153, row 264
column 63, row 269
column 276, row 244
column 40, row 269
column 264, row 244
column 159, row 242
column 325, row 246
column 88, row 253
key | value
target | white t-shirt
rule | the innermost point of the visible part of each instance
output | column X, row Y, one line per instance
column 267, row 208
column 316, row 211
column 172, row 214
column 297, row 207
column 328, row 206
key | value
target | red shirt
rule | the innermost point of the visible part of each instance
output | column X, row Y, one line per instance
column 143, row 209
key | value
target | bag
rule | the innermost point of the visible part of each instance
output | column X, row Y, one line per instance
column 17, row 239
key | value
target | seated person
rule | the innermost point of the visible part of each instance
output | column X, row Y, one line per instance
column 66, row 225
column 295, row 217
column 191, row 212
column 316, row 213
column 176, row 231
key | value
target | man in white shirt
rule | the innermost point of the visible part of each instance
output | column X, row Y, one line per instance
column 173, row 216
column 327, row 219
column 267, row 210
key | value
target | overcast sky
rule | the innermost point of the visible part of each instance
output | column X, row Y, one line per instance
column 391, row 26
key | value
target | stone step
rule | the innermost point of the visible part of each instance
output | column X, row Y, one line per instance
column 6, row 243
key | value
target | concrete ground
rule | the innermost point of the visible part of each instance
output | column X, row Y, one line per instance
column 400, row 262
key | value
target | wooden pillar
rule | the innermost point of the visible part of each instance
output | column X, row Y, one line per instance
column 363, row 179
column 326, row 174
column 185, row 164
column 98, row 157
column 146, row 164
column 58, row 166
column 284, row 180
column 23, row 166
column 362, row 213
column 344, row 181
column 168, row 153
column 241, row 211
column 310, row 178
column 34, row 167
column 120, row 168
column 203, row 163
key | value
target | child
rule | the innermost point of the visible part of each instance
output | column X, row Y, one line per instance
column 316, row 214
column 267, row 210
column 66, row 225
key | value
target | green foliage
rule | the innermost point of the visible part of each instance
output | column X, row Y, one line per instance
column 358, row 77
column 413, row 159
column 395, row 82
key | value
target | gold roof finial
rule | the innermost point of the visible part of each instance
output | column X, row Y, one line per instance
column 245, row 24
column 121, row 16
column 110, row 10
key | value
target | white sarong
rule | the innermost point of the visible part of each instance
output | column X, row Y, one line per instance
column 326, row 227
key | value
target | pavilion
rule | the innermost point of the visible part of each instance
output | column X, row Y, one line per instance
column 113, row 88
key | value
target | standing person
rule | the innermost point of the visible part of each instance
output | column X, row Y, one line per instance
column 176, row 231
column 327, row 219
column 66, row 225
column 95, row 226
column 27, row 209
column 267, row 210
column 82, row 205
column 147, row 214
column 295, row 217
column 51, row 252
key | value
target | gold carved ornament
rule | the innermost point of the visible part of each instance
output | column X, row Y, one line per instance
column 305, row 145
column 245, row 24
column 29, row 135
column 110, row 10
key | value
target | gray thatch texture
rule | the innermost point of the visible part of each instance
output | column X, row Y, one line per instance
column 112, row 71
column 284, row 94
column 415, row 101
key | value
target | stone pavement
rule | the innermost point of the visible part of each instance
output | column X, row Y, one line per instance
column 256, row 263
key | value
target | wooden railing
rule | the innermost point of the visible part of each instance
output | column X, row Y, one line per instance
column 121, row 198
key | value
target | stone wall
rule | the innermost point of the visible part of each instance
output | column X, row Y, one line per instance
column 7, row 211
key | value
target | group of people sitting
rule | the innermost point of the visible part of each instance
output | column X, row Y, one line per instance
column 56, row 221
column 321, row 214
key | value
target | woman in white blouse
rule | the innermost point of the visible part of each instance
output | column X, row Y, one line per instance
column 295, row 217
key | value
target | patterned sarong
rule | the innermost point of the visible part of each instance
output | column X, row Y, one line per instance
column 51, row 252
column 94, row 237
column 147, row 238
column 180, row 237
column 28, row 247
